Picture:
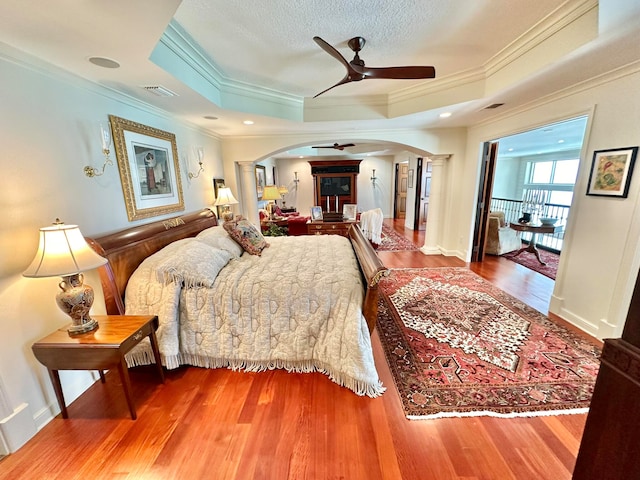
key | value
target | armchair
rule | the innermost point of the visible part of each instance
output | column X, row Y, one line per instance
column 500, row 237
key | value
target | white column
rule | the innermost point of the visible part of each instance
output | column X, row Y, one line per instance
column 249, row 197
column 432, row 232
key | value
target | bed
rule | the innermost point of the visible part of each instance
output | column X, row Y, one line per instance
column 305, row 304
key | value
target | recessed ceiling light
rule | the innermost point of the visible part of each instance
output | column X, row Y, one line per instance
column 248, row 122
column 560, row 141
column 104, row 62
column 301, row 156
column 210, row 117
column 445, row 114
column 511, row 149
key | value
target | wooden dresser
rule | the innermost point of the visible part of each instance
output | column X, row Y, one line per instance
column 329, row 228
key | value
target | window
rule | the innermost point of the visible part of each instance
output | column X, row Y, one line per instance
column 556, row 176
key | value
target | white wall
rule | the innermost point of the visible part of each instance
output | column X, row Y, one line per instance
column 601, row 253
column 48, row 126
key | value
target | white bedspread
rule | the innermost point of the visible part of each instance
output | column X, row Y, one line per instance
column 296, row 307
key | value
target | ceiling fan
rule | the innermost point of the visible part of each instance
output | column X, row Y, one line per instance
column 357, row 71
column 336, row 145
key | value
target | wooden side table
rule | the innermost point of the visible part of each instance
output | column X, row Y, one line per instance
column 100, row 349
column 535, row 229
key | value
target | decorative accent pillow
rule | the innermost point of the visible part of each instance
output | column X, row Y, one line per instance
column 194, row 263
column 218, row 237
column 247, row 235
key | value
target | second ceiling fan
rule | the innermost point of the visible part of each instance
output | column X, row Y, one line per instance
column 337, row 146
column 356, row 69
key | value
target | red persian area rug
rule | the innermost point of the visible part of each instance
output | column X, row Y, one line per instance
column 530, row 261
column 393, row 241
column 459, row 346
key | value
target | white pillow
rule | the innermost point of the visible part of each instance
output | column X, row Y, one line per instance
column 218, row 237
column 217, row 231
column 194, row 263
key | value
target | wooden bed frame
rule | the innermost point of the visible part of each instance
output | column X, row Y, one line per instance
column 126, row 249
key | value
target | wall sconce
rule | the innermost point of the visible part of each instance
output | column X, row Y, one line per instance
column 373, row 177
column 200, row 153
column 105, row 136
column 295, row 178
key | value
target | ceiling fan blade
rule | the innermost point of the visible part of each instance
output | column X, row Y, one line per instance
column 333, row 52
column 336, row 146
column 346, row 79
column 402, row 73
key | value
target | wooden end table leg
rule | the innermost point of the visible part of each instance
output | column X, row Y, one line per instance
column 156, row 354
column 57, row 387
column 126, row 385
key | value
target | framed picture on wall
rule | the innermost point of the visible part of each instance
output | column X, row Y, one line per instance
column 261, row 180
column 218, row 183
column 149, row 169
column 611, row 171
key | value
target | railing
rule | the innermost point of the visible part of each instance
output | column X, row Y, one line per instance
column 513, row 211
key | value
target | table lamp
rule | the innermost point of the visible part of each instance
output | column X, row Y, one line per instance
column 283, row 190
column 64, row 252
column 270, row 193
column 225, row 198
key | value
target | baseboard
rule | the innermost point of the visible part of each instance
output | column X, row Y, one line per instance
column 18, row 428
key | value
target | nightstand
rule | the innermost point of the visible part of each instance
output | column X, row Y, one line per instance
column 100, row 349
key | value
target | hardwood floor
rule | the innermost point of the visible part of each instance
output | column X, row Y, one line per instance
column 220, row 424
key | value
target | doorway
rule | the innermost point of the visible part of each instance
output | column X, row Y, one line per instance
column 401, row 184
column 544, row 159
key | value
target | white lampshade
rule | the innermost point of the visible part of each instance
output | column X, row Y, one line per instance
column 62, row 251
column 270, row 192
column 283, row 190
column 225, row 197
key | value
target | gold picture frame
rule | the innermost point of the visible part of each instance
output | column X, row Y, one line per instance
column 149, row 169
column 261, row 180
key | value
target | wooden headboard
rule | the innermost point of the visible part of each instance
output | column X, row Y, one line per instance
column 126, row 249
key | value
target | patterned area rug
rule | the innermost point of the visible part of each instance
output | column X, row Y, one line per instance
column 530, row 261
column 459, row 346
column 393, row 241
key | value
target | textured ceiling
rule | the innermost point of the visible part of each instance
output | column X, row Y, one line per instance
column 269, row 43
column 257, row 59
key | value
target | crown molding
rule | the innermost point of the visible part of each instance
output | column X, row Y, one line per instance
column 556, row 21
column 181, row 56
column 45, row 69
column 594, row 82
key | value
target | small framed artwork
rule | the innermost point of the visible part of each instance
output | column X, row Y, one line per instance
column 410, row 179
column 149, row 169
column 349, row 211
column 611, row 171
column 316, row 213
column 261, row 180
